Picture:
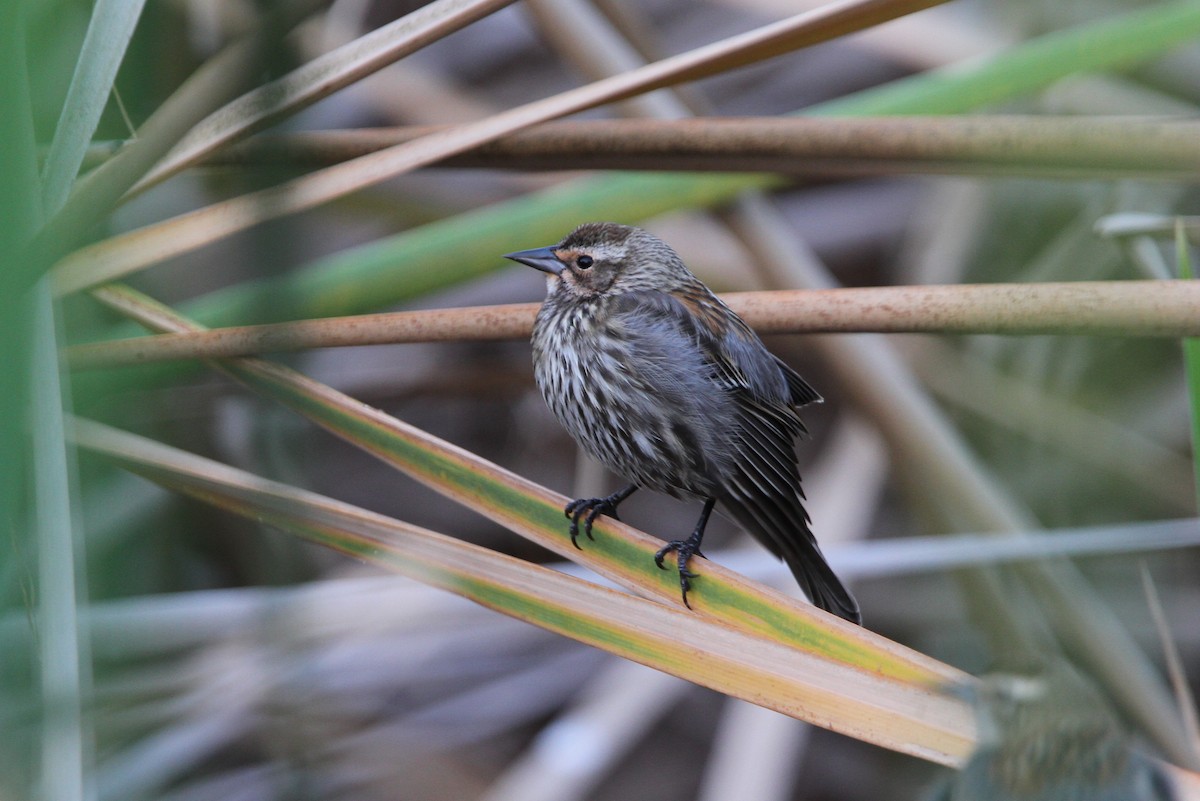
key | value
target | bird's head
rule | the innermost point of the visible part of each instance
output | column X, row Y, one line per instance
column 606, row 258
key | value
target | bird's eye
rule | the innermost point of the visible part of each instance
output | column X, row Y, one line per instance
column 584, row 262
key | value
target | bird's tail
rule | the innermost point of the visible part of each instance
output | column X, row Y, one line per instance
column 823, row 586
column 776, row 525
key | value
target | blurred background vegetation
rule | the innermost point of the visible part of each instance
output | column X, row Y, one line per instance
column 224, row 659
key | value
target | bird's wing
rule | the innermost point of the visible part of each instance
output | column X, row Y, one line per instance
column 762, row 492
column 734, row 353
column 802, row 393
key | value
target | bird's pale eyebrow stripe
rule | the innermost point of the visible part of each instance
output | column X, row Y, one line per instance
column 598, row 252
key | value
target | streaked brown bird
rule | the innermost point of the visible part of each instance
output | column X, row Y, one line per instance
column 661, row 382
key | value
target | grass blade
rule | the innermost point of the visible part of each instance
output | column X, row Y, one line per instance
column 108, row 35
column 955, row 551
column 902, row 715
column 1191, row 351
column 318, row 79
column 65, row 659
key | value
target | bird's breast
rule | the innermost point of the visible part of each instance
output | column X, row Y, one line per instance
column 636, row 406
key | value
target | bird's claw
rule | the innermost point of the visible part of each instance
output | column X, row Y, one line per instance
column 684, row 551
column 587, row 510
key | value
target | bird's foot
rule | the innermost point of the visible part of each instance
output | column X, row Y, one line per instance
column 586, row 510
column 684, row 551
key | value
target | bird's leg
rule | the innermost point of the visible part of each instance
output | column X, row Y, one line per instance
column 686, row 549
column 588, row 509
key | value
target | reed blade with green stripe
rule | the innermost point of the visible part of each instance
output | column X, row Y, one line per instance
column 905, row 714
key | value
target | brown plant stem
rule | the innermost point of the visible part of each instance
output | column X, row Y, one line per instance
column 1086, row 147
column 1119, row 308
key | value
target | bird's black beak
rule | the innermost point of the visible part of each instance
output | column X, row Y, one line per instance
column 539, row 259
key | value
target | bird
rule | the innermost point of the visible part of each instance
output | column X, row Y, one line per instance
column 1046, row 733
column 658, row 379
